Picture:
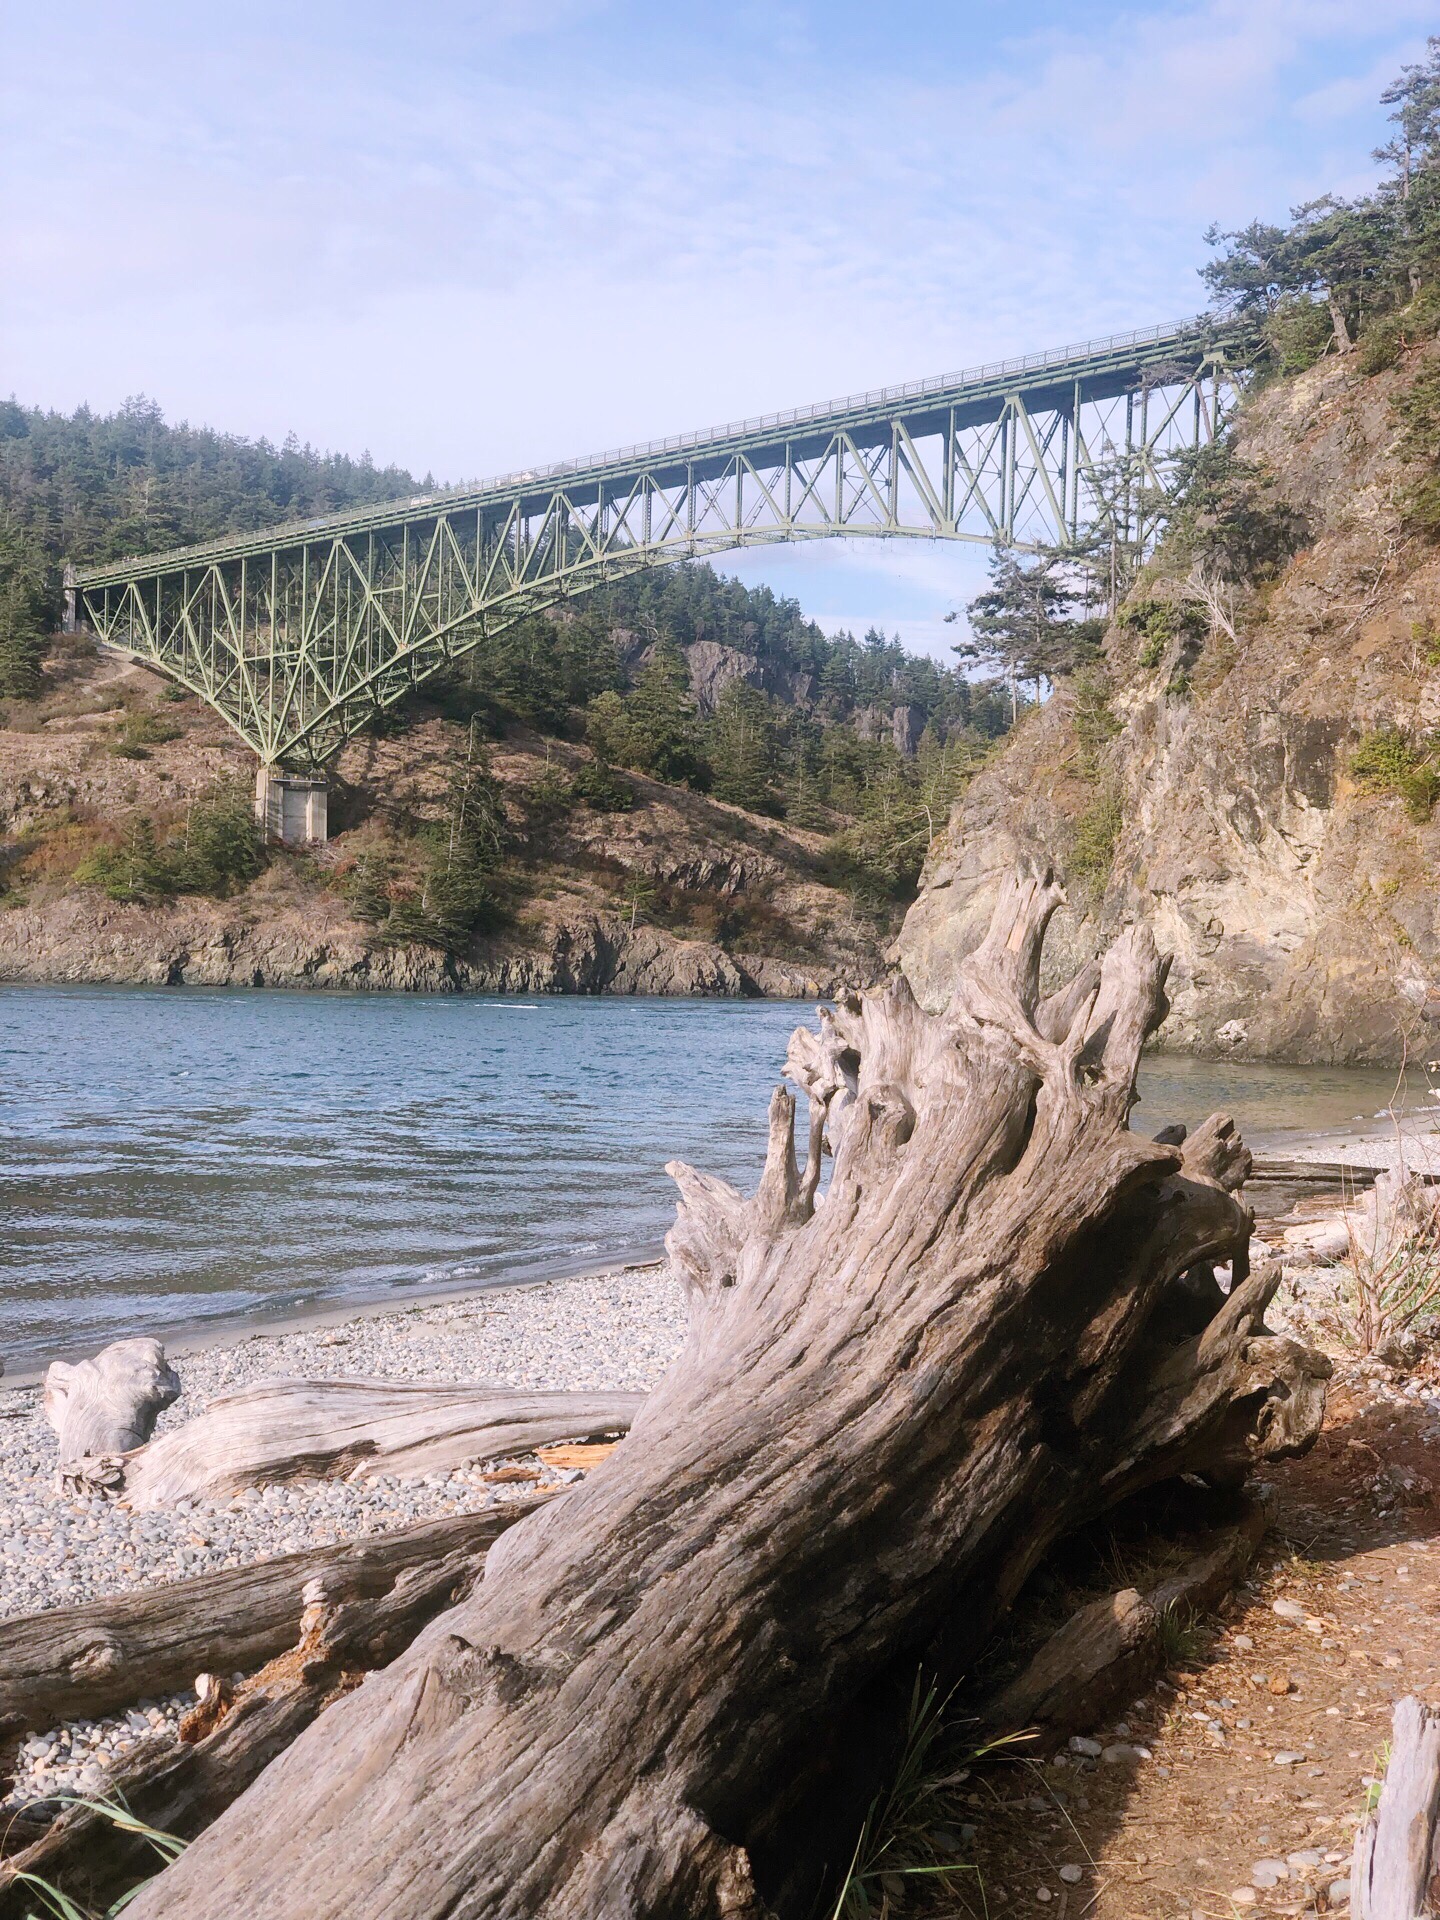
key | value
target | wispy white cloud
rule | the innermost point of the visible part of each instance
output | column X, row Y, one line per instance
column 486, row 232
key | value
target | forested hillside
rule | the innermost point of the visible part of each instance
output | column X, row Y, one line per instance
column 678, row 759
column 89, row 486
column 680, row 674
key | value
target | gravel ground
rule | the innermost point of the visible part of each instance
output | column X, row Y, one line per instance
column 72, row 1760
column 1413, row 1141
column 616, row 1330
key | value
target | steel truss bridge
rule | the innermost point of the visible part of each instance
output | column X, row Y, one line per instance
column 299, row 633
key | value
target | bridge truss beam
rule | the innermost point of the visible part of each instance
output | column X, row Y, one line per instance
column 297, row 635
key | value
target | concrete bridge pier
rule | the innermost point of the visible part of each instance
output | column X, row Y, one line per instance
column 292, row 807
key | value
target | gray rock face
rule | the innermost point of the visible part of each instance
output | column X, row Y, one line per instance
column 713, row 667
column 1299, row 907
column 583, row 952
column 901, row 725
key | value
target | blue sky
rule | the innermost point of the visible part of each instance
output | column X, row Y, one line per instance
column 472, row 235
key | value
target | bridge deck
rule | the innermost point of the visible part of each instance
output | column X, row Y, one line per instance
column 1100, row 369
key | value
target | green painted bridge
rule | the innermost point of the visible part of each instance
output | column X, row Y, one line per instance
column 297, row 634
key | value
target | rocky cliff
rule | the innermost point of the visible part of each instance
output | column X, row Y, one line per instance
column 681, row 895
column 1266, row 801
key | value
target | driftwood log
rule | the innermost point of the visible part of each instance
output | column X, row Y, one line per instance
column 1110, row 1649
column 1395, row 1873
column 74, row 1662
column 297, row 1429
column 891, row 1404
column 107, row 1405
column 234, row 1734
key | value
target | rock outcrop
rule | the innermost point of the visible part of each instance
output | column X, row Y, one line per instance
column 81, row 939
column 1299, row 901
column 728, row 903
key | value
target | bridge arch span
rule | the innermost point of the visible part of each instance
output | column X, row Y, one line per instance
column 297, row 634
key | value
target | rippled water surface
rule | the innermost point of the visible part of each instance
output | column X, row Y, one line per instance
column 176, row 1156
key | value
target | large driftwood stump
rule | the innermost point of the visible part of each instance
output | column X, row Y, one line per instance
column 108, row 1405
column 890, row 1405
column 284, row 1429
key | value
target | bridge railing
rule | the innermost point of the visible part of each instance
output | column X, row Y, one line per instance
column 448, row 498
column 876, row 397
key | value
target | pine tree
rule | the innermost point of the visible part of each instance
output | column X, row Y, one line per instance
column 220, row 850
column 26, row 613
column 741, row 749
column 662, row 718
column 1022, row 625
column 21, row 644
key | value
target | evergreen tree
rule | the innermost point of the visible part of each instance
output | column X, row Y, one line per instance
column 662, row 716
column 1022, row 624
column 136, row 871
column 458, row 895
column 1230, row 519
column 1359, row 262
column 741, row 748
column 26, row 613
column 654, row 728
column 220, row 850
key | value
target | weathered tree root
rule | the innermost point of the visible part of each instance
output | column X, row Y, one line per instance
column 1109, row 1649
column 890, row 1406
column 105, row 1407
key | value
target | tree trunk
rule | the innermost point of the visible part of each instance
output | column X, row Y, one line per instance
column 1343, row 342
column 296, row 1429
column 74, row 1662
column 890, row 1405
column 229, row 1740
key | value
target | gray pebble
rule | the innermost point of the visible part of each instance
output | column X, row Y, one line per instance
column 618, row 1330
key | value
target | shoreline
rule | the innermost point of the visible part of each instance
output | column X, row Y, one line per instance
column 1373, row 1143
column 183, row 1339
column 618, row 1329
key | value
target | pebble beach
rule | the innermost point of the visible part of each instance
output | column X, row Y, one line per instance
column 617, row 1329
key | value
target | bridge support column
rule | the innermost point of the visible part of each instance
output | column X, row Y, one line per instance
column 292, row 807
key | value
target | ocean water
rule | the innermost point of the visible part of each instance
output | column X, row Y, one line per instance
column 176, row 1157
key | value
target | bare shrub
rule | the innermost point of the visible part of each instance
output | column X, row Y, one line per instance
column 1394, row 1262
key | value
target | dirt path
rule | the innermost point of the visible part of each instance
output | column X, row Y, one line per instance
column 1245, row 1770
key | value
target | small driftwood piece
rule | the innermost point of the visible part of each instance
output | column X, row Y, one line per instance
column 234, row 1734
column 1395, row 1872
column 1112, row 1646
column 890, row 1406
column 333, row 1429
column 74, row 1662
column 107, row 1406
